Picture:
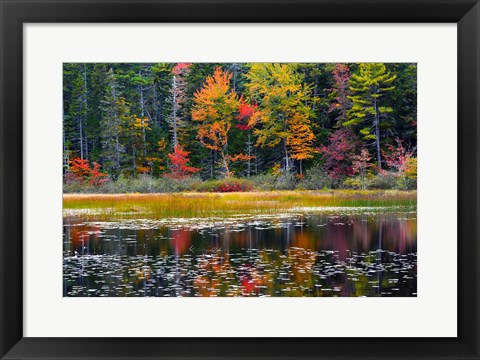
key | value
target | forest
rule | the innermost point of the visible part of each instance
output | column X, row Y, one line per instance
column 224, row 127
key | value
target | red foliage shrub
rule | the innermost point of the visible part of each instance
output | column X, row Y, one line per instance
column 339, row 154
column 179, row 169
column 81, row 172
column 233, row 188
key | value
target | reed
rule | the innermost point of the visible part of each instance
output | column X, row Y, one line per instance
column 200, row 205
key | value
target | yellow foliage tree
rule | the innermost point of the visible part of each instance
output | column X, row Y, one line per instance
column 284, row 103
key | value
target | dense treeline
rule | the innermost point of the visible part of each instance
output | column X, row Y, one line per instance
column 323, row 125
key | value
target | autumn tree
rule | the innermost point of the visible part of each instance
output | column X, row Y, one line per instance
column 338, row 156
column 340, row 92
column 214, row 108
column 241, row 118
column 284, row 116
column 300, row 140
column 401, row 159
column 245, row 118
column 368, row 87
column 360, row 165
column 179, row 169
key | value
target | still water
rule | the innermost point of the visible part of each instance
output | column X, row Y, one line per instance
column 363, row 254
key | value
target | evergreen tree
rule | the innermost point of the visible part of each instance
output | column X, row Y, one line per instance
column 368, row 86
column 110, row 125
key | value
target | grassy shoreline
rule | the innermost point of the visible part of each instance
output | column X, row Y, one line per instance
column 201, row 205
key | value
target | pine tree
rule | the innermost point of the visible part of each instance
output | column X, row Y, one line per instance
column 368, row 86
column 110, row 125
column 78, row 109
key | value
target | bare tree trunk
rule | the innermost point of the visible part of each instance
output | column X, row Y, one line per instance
column 175, row 139
column 117, row 150
column 134, row 160
column 80, row 136
column 225, row 163
column 287, row 163
column 85, row 105
column 235, row 77
column 142, row 114
column 377, row 133
column 315, row 92
column 66, row 159
column 155, row 106
column 249, row 147
column 212, row 161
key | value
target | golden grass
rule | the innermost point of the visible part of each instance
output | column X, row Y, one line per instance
column 193, row 205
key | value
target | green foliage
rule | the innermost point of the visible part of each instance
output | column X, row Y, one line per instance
column 264, row 182
column 368, row 87
column 355, row 183
column 315, row 179
column 387, row 180
column 286, row 181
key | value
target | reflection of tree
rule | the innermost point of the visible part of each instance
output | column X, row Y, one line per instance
column 301, row 262
column 337, row 258
column 215, row 275
column 181, row 240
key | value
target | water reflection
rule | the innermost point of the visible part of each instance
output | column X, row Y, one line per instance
column 314, row 255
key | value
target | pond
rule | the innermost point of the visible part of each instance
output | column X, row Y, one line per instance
column 335, row 254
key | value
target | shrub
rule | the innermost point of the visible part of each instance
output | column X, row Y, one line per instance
column 315, row 179
column 225, row 185
column 352, row 183
column 142, row 184
column 411, row 174
column 176, row 185
column 411, row 184
column 386, row 180
column 286, row 181
column 84, row 172
column 264, row 182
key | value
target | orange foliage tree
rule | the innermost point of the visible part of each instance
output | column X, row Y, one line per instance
column 215, row 106
column 300, row 138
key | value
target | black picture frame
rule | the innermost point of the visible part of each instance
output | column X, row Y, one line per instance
column 14, row 13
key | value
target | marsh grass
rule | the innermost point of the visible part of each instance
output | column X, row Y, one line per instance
column 201, row 205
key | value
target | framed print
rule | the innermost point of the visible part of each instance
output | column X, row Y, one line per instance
column 236, row 179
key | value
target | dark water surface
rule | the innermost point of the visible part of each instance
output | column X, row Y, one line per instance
column 372, row 254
